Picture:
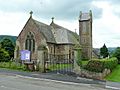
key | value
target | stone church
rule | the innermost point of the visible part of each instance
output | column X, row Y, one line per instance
column 56, row 39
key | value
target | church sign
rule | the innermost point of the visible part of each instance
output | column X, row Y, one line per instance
column 25, row 55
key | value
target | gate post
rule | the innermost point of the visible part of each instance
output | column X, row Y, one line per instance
column 40, row 63
column 41, row 58
column 77, row 59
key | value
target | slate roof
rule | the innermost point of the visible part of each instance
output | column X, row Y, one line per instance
column 84, row 16
column 57, row 34
column 63, row 35
column 46, row 31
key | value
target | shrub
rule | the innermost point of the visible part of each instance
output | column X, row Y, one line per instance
column 12, row 65
column 8, row 46
column 100, row 65
column 116, row 54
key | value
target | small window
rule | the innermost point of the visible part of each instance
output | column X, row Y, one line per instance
column 84, row 40
column 51, row 50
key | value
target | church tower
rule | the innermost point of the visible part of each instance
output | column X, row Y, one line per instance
column 85, row 33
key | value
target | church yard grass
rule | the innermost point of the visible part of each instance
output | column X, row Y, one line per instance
column 53, row 67
column 84, row 63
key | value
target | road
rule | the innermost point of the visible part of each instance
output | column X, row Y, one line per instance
column 10, row 82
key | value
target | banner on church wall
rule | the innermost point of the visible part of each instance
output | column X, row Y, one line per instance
column 25, row 55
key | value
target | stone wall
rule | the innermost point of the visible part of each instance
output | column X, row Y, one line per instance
column 85, row 73
column 95, row 75
column 39, row 38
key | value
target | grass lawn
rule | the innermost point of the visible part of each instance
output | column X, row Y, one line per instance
column 115, row 75
column 84, row 63
column 52, row 67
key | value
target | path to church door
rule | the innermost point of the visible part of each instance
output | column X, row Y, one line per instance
column 62, row 64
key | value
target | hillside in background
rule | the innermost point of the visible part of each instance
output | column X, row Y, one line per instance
column 111, row 49
column 12, row 38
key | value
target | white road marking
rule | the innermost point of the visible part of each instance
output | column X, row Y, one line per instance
column 111, row 87
column 63, row 82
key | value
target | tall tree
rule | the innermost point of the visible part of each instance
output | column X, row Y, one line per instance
column 104, row 51
column 8, row 46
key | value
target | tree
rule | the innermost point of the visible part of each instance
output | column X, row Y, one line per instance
column 8, row 46
column 116, row 54
column 4, row 55
column 104, row 51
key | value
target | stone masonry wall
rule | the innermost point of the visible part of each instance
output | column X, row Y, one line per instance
column 89, row 74
column 31, row 27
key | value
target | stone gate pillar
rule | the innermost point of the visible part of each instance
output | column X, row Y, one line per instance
column 77, row 59
column 41, row 58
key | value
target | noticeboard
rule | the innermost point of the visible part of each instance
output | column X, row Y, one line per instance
column 25, row 55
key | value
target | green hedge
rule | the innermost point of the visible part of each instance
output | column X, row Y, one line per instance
column 100, row 65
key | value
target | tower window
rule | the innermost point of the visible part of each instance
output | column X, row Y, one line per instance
column 51, row 50
column 83, row 40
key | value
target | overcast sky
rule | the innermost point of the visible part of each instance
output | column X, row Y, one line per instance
column 106, row 16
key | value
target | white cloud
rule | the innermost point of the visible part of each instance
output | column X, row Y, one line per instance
column 106, row 29
column 12, row 23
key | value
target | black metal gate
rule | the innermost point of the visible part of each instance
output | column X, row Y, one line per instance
column 58, row 63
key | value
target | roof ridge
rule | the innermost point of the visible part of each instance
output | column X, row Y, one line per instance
column 40, row 22
column 61, row 27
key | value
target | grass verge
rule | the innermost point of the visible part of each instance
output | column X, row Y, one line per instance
column 13, row 66
column 115, row 75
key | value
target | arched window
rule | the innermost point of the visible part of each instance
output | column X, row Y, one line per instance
column 30, row 42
